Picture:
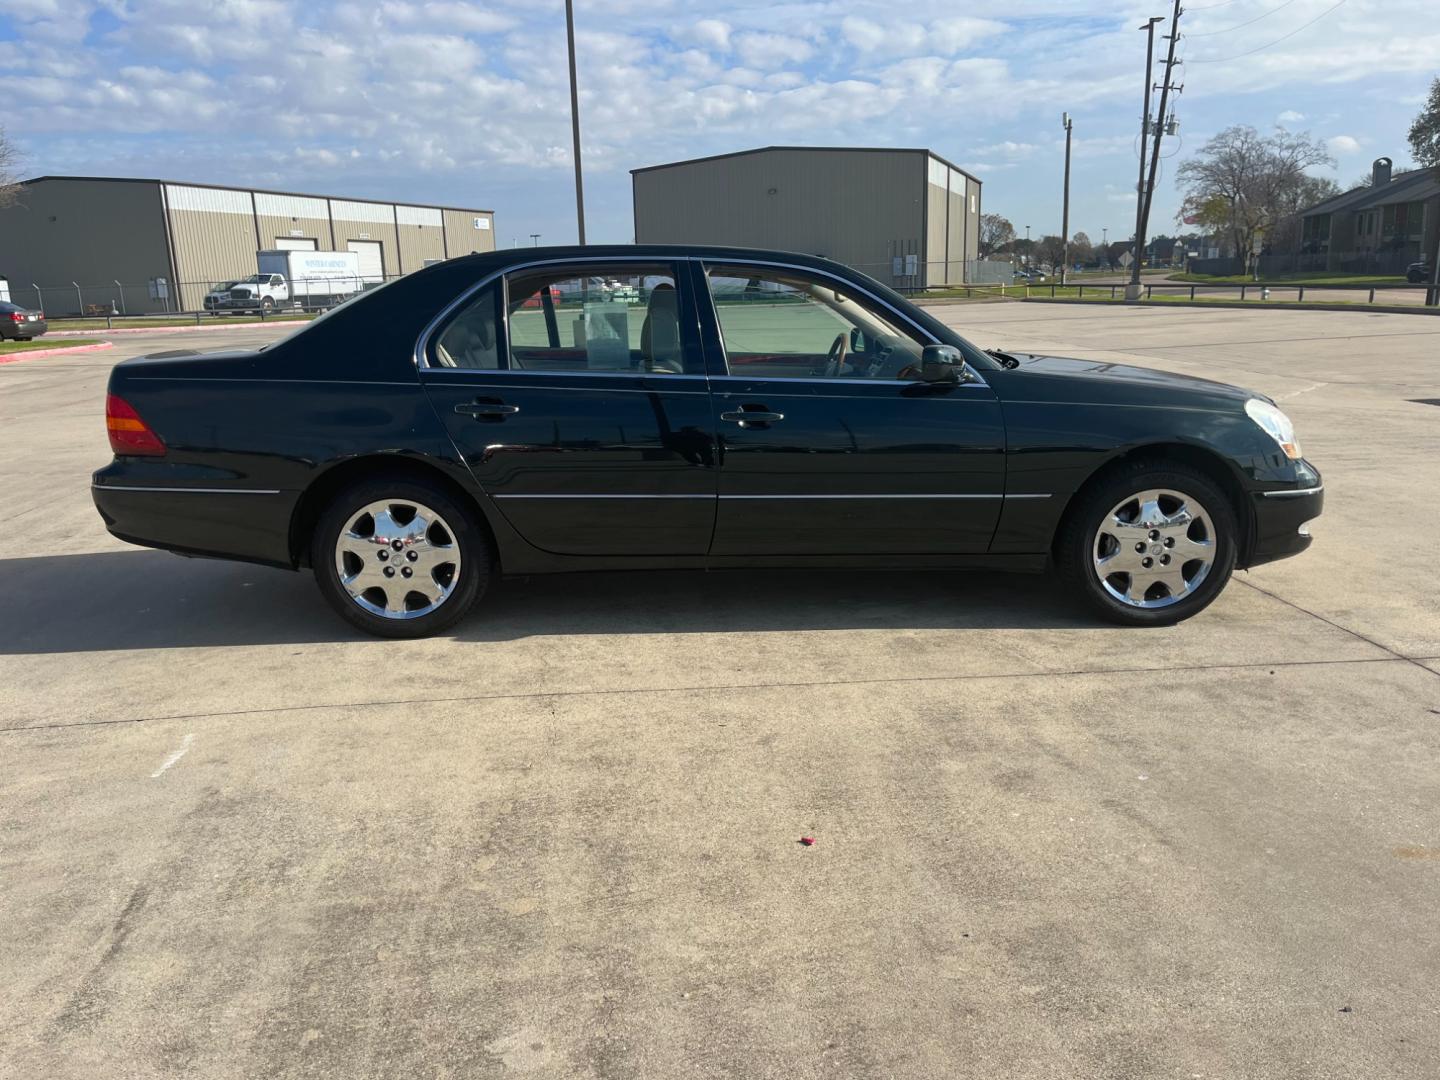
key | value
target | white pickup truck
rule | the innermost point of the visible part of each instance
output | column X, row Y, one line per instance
column 309, row 280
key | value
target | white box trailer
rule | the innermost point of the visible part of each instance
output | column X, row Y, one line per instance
column 311, row 280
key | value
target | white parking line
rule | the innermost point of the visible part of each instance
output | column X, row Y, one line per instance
column 176, row 756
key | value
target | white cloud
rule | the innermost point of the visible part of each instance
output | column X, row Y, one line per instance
column 763, row 50
column 1290, row 116
column 1343, row 144
column 713, row 33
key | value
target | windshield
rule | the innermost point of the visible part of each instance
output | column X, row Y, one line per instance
column 255, row 279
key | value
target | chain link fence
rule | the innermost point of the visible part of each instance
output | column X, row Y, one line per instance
column 117, row 299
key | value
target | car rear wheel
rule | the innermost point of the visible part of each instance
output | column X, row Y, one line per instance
column 1150, row 546
column 400, row 557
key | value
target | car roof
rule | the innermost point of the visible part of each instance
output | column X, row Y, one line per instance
column 600, row 252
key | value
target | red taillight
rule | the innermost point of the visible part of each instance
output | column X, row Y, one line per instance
column 128, row 433
column 17, row 316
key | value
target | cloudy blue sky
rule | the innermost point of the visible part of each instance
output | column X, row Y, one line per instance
column 467, row 103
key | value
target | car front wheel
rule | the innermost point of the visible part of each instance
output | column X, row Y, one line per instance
column 400, row 557
column 1150, row 546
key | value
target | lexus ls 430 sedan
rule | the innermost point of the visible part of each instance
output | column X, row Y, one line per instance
column 543, row 410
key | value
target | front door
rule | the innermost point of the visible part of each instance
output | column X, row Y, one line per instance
column 830, row 444
column 576, row 393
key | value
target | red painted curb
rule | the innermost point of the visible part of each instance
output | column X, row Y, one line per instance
column 31, row 354
column 257, row 324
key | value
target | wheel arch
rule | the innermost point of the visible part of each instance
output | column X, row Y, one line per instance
column 1203, row 459
column 325, row 486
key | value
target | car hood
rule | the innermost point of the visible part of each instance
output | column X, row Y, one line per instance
column 1121, row 383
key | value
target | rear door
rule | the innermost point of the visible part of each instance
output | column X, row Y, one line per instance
column 830, row 444
column 576, row 392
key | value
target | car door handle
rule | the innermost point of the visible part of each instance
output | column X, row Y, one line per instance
column 486, row 410
column 752, row 416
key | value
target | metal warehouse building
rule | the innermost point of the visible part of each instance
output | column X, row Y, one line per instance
column 907, row 217
column 154, row 245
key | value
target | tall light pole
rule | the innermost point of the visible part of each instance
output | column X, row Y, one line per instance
column 1027, row 245
column 1132, row 291
column 1065, row 219
column 575, row 119
column 534, row 239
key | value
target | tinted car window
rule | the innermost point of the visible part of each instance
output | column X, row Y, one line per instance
column 472, row 340
column 596, row 318
column 785, row 324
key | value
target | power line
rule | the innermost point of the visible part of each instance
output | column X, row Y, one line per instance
column 1241, row 26
column 1277, row 41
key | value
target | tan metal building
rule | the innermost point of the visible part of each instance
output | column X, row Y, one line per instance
column 71, row 243
column 905, row 216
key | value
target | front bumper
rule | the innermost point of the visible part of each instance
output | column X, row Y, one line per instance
column 1281, row 520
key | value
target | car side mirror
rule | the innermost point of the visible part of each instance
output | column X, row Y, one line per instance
column 941, row 364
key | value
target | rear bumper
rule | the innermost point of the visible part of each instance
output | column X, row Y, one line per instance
column 249, row 524
column 1281, row 520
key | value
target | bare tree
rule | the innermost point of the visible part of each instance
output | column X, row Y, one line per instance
column 1050, row 250
column 9, row 163
column 1242, row 183
column 1082, row 249
column 995, row 233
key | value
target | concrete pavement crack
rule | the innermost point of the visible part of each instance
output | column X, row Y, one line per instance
column 724, row 687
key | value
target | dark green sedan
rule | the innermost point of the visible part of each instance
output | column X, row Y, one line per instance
column 547, row 410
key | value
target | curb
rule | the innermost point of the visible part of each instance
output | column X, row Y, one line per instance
column 1242, row 305
column 191, row 329
column 31, row 354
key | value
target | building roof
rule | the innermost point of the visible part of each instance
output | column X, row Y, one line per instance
column 1413, row 186
column 257, row 191
column 830, row 149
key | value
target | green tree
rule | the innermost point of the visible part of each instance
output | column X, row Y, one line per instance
column 1425, row 132
column 1082, row 250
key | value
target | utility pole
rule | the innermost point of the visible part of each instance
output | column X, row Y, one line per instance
column 1160, row 124
column 1132, row 291
column 1065, row 219
column 534, row 239
column 575, row 119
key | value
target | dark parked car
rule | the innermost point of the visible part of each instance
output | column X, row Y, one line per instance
column 20, row 323
column 1419, row 272
column 758, row 409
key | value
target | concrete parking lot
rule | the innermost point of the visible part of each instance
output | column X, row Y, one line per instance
column 562, row 841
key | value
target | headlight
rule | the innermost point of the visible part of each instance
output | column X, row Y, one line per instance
column 1275, row 424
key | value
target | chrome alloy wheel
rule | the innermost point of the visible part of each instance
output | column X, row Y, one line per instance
column 397, row 559
column 1154, row 548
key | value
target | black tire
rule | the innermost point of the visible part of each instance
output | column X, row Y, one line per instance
column 267, row 305
column 1076, row 543
column 476, row 554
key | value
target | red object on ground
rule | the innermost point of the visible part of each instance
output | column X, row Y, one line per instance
column 807, row 840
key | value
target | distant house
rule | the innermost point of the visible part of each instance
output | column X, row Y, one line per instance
column 1392, row 222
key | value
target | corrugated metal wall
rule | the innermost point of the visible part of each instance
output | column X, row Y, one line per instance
column 854, row 206
column 91, row 232
column 955, row 229
column 421, row 235
column 367, row 221
column 98, row 231
column 467, row 231
column 213, row 235
column 937, row 228
column 291, row 216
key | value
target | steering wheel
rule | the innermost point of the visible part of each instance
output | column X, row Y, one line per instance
column 835, row 358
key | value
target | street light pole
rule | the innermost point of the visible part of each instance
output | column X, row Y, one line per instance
column 534, row 239
column 1132, row 291
column 575, row 119
column 1065, row 219
column 1027, row 246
